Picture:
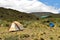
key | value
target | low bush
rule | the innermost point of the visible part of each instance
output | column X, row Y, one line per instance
column 24, row 36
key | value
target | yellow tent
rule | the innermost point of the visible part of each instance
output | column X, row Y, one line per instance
column 16, row 26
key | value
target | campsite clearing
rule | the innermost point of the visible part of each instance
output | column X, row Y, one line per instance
column 34, row 30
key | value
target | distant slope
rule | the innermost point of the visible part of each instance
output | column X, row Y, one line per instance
column 12, row 15
column 9, row 14
column 39, row 14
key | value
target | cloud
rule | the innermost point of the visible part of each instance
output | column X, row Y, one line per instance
column 28, row 6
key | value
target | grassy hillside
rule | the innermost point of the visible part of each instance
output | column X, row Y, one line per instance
column 35, row 28
column 39, row 14
column 9, row 14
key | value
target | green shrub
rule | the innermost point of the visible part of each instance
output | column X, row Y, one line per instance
column 51, row 38
column 24, row 36
column 41, row 39
column 0, row 38
column 35, row 39
column 58, row 36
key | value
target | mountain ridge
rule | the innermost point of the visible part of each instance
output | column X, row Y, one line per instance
column 39, row 14
column 9, row 14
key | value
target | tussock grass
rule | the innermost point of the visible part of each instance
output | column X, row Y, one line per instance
column 35, row 28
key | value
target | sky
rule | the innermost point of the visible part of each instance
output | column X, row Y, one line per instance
column 55, row 3
column 32, row 5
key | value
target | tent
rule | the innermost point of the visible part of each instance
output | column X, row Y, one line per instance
column 16, row 26
column 51, row 24
column 45, row 16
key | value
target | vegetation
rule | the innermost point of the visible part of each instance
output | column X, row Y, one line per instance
column 35, row 27
column 11, row 15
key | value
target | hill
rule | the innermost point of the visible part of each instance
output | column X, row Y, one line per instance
column 39, row 14
column 11, row 15
column 34, row 29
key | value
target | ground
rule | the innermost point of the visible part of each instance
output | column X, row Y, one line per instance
column 34, row 30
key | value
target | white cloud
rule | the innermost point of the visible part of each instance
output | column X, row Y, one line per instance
column 27, row 6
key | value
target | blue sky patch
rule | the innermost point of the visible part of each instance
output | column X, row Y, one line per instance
column 55, row 3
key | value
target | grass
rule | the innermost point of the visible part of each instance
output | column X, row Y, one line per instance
column 35, row 28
